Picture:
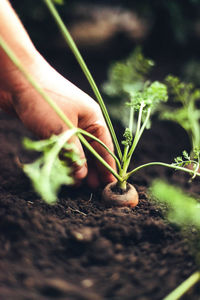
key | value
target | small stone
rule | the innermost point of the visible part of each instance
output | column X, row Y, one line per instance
column 119, row 257
column 87, row 283
column 115, row 277
column 118, row 247
column 84, row 234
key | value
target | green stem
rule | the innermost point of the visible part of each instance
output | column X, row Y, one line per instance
column 145, row 123
column 122, row 185
column 53, row 105
column 195, row 171
column 75, row 51
column 163, row 165
column 83, row 132
column 126, row 148
column 55, row 150
column 184, row 287
column 124, row 165
column 131, row 119
column 96, row 154
column 136, row 139
column 138, row 134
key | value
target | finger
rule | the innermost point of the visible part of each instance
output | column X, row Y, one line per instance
column 43, row 121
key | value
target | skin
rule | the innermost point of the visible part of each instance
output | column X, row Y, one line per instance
column 19, row 98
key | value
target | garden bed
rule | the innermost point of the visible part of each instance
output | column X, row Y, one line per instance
column 78, row 249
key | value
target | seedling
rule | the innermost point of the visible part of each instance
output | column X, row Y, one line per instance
column 184, row 211
column 141, row 99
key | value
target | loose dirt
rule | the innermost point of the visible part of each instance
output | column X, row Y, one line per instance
column 80, row 250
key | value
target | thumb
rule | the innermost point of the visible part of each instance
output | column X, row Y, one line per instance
column 98, row 173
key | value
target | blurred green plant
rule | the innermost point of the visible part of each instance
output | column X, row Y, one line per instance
column 48, row 172
column 191, row 71
column 186, row 111
column 183, row 210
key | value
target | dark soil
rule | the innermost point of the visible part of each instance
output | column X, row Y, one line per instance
column 80, row 250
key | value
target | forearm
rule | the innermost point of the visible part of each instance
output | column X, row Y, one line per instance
column 13, row 32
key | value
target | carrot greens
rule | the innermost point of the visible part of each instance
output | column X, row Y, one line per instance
column 141, row 97
column 186, row 112
column 48, row 172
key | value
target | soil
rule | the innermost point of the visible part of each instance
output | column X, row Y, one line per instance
column 80, row 250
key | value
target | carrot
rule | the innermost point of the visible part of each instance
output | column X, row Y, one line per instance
column 112, row 195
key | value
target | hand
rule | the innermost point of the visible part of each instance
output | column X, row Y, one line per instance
column 39, row 117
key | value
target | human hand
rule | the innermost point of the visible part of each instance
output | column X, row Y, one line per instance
column 38, row 116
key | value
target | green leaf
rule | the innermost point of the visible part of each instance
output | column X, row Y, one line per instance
column 192, row 161
column 151, row 95
column 128, row 137
column 49, row 172
column 196, row 153
column 178, row 159
column 186, row 155
column 155, row 93
column 128, row 76
column 185, row 160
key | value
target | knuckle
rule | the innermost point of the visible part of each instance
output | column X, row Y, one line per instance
column 96, row 109
column 97, row 128
column 49, row 130
column 79, row 172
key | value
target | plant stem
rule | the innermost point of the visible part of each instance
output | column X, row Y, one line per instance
column 135, row 141
column 96, row 154
column 163, row 165
column 122, row 185
column 124, row 166
column 83, row 132
column 145, row 123
column 184, row 287
column 53, row 105
column 55, row 150
column 131, row 119
column 139, row 131
column 196, row 170
column 128, row 155
column 68, row 38
column 126, row 148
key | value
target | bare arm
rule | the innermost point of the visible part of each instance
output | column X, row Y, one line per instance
column 16, row 95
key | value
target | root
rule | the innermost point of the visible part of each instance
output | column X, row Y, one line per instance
column 113, row 196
